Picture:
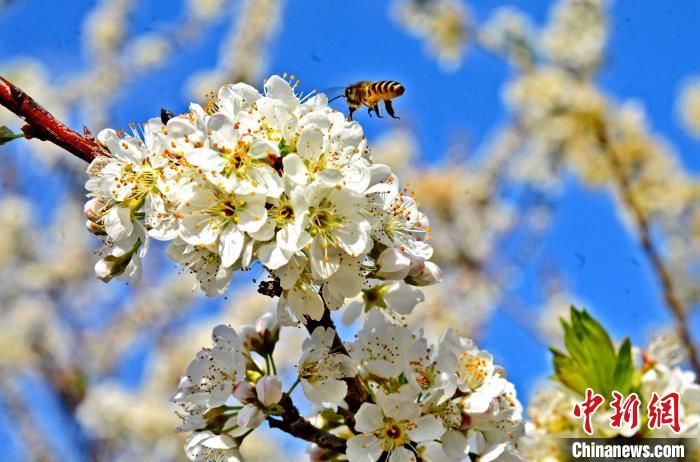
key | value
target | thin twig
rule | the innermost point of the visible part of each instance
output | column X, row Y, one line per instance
column 44, row 126
column 643, row 226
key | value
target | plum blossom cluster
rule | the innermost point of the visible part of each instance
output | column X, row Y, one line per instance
column 272, row 178
column 287, row 182
column 437, row 402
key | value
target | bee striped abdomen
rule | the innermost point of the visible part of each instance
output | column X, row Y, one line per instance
column 386, row 89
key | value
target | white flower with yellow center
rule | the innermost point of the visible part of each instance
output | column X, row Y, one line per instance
column 400, row 224
column 321, row 369
column 213, row 374
column 381, row 347
column 473, row 367
column 212, row 277
column 391, row 426
column 222, row 222
column 289, row 217
column 330, row 150
column 395, row 299
column 131, row 181
column 336, row 224
column 207, row 446
column 235, row 161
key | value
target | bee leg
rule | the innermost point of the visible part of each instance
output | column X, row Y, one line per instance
column 376, row 109
column 351, row 110
column 390, row 109
column 369, row 110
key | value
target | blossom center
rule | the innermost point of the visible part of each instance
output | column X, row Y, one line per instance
column 324, row 220
column 394, row 434
column 474, row 369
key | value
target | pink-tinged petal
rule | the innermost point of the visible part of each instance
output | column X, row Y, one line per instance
column 269, row 389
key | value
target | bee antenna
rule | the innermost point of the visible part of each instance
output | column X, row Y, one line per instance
column 333, row 99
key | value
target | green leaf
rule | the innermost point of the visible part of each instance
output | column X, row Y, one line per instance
column 7, row 135
column 590, row 360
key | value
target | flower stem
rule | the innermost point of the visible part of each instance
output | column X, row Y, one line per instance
column 294, row 385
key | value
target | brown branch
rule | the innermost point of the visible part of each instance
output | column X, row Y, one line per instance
column 44, row 126
column 643, row 226
column 296, row 425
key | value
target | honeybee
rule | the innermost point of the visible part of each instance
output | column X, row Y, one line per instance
column 366, row 93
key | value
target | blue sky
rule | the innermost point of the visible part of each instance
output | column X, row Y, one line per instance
column 654, row 45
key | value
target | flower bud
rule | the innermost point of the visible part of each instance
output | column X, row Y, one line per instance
column 112, row 266
column 268, row 328
column 94, row 209
column 429, row 274
column 95, row 228
column 252, row 341
column 245, row 393
column 393, row 264
column 269, row 390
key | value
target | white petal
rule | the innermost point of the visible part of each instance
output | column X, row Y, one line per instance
column 272, row 256
column 231, row 245
column 368, row 418
column 250, row 416
column 330, row 176
column 427, row 428
column 310, row 143
column 402, row 455
column 354, row 237
column 305, row 302
column 363, row 448
column 325, row 391
column 206, row 159
column 295, row 169
column 220, row 442
column 118, row 223
column 278, row 88
column 454, row 443
column 325, row 260
column 253, row 216
column 261, row 149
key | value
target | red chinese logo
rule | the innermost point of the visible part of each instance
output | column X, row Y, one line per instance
column 661, row 410
column 664, row 411
column 626, row 412
column 588, row 408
